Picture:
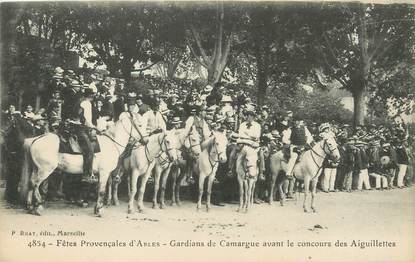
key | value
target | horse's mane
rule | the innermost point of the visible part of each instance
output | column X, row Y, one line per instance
column 209, row 144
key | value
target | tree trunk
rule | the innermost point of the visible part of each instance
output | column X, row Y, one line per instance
column 359, row 107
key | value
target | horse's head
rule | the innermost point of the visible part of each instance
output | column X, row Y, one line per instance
column 331, row 149
column 251, row 161
column 192, row 142
column 169, row 145
column 220, row 142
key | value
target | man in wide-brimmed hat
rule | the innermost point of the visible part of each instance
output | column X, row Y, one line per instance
column 81, row 123
column 176, row 122
column 249, row 134
column 155, row 121
column 296, row 138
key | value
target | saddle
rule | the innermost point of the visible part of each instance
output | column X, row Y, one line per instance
column 70, row 145
column 287, row 153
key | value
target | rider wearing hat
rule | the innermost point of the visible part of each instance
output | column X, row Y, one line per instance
column 325, row 131
column 198, row 123
column 81, row 123
column 249, row 134
column 296, row 138
column 155, row 121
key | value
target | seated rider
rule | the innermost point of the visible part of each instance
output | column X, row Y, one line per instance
column 81, row 123
column 249, row 134
column 196, row 121
column 296, row 138
column 155, row 120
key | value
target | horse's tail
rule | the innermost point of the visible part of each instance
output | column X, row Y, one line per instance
column 26, row 172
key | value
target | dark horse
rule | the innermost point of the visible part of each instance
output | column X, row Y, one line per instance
column 13, row 138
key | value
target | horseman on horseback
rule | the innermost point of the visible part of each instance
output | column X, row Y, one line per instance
column 249, row 134
column 80, row 122
column 296, row 139
column 197, row 122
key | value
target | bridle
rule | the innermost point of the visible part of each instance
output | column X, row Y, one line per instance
column 213, row 162
column 162, row 152
column 313, row 152
column 189, row 149
column 246, row 166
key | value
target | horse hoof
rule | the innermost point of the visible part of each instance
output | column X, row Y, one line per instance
column 85, row 205
column 130, row 211
column 162, row 206
column 238, row 210
column 173, row 204
column 38, row 211
column 179, row 204
column 305, row 210
column 99, row 212
column 155, row 206
column 116, row 203
column 314, row 210
column 141, row 211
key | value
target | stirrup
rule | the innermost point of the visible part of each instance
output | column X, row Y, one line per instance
column 92, row 179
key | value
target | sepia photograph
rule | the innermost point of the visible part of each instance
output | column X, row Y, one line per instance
column 207, row 131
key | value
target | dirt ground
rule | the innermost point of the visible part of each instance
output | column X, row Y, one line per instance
column 369, row 216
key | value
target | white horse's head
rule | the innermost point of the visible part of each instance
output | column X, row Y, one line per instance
column 192, row 142
column 330, row 148
column 251, row 161
column 170, row 144
column 220, row 142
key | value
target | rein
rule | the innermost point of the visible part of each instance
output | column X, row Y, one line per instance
column 215, row 162
column 166, row 152
column 323, row 157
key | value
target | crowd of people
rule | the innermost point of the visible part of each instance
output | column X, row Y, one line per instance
column 372, row 156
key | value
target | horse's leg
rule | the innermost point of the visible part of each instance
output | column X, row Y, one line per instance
column 182, row 177
column 142, row 188
column 133, row 186
column 39, row 177
column 109, row 192
column 157, row 171
column 271, row 188
column 313, row 194
column 281, row 191
column 164, row 177
column 201, row 184
column 102, row 184
column 306, row 191
column 241, row 194
column 115, row 200
column 175, row 174
column 246, row 194
column 209, row 191
column 253, row 187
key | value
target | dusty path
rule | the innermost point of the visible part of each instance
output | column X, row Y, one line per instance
column 365, row 216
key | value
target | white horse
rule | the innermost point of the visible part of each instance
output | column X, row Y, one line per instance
column 188, row 143
column 212, row 154
column 42, row 157
column 247, row 170
column 308, row 169
column 142, row 161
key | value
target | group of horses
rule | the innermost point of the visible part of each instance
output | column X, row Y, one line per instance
column 175, row 152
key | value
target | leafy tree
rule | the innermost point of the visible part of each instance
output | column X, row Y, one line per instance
column 210, row 40
column 121, row 35
column 362, row 46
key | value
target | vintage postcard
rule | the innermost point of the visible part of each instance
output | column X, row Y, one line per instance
column 207, row 131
